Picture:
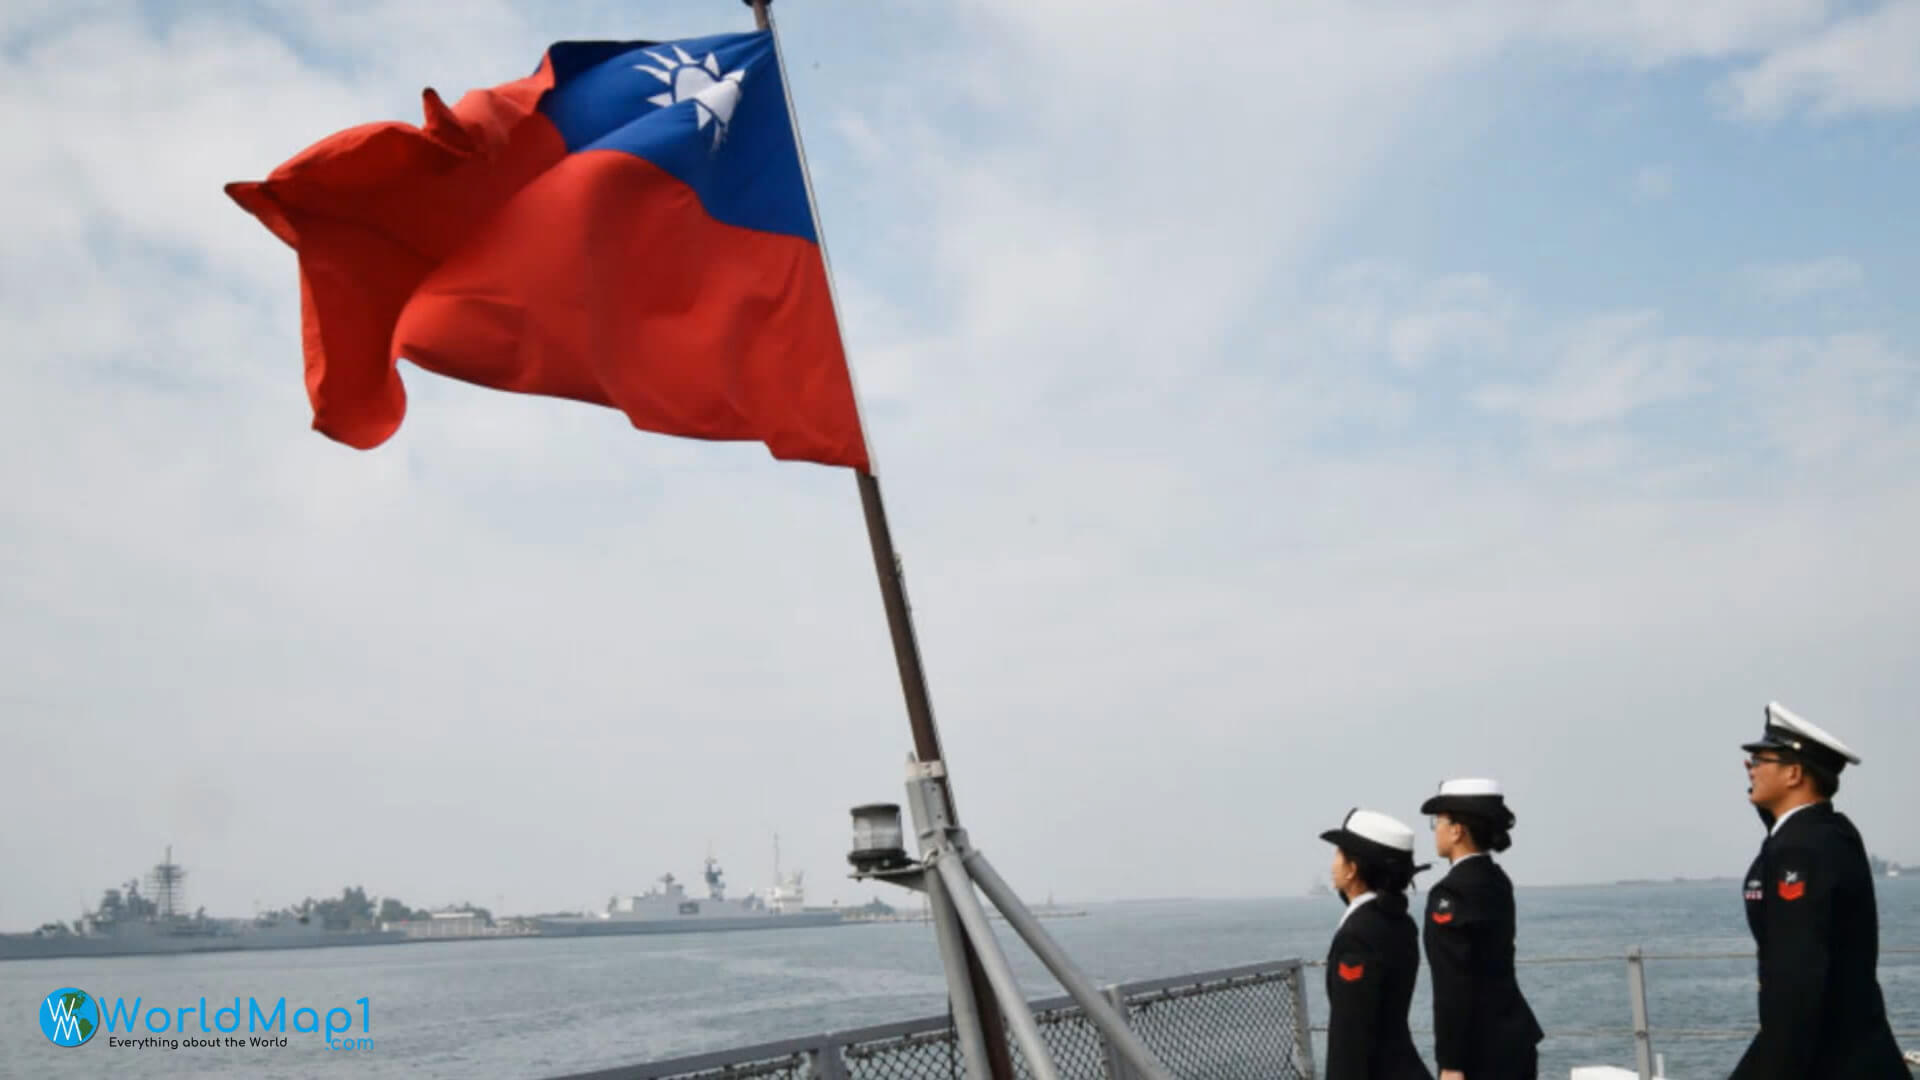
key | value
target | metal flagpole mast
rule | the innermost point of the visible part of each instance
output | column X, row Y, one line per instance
column 951, row 868
column 906, row 652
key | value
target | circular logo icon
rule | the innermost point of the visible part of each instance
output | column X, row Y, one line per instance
column 69, row 1017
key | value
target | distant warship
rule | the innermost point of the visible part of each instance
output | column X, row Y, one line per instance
column 129, row 923
column 668, row 909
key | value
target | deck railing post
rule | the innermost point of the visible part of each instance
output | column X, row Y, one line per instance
column 825, row 1061
column 1302, row 1023
column 1637, row 993
column 1116, row 1062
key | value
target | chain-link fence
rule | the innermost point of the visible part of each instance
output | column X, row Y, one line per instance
column 1245, row 1023
column 1240, row 1024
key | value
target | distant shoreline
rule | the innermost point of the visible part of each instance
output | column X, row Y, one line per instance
column 1675, row 881
column 1619, row 883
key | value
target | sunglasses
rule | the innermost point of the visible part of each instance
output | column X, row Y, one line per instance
column 1758, row 760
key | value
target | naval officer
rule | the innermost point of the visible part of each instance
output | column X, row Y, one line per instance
column 1375, row 955
column 1810, row 906
column 1483, row 1028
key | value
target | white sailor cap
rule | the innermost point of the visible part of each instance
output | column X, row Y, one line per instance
column 1372, row 832
column 1476, row 796
column 1788, row 733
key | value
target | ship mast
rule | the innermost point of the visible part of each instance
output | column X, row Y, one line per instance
column 165, row 888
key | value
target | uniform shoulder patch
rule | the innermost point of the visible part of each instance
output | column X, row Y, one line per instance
column 1792, row 885
column 1350, row 965
column 1442, row 907
column 1796, row 872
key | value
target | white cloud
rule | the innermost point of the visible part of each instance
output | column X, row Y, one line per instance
column 1653, row 182
column 1798, row 280
column 1852, row 398
column 1463, row 314
column 1867, row 61
column 1649, row 32
column 1840, row 402
column 1602, row 371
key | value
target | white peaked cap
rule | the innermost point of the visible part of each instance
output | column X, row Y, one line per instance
column 1788, row 731
column 1379, row 828
column 1470, row 787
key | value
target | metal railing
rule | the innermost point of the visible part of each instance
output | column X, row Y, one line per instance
column 1228, row 1024
column 1242, row 1023
column 1641, row 1036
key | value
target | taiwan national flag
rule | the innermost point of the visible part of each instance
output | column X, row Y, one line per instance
column 628, row 226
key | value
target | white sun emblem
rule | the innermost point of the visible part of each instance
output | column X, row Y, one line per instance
column 713, row 95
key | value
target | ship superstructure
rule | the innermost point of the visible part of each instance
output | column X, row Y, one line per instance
column 668, row 907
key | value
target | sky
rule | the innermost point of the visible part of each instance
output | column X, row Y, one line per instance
column 1279, row 408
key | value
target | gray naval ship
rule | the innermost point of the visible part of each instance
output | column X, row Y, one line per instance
column 668, row 909
column 128, row 923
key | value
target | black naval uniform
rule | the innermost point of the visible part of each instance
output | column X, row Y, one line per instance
column 1810, row 905
column 1371, row 967
column 1482, row 1025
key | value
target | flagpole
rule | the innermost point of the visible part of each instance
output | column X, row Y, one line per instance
column 906, row 653
column 886, row 562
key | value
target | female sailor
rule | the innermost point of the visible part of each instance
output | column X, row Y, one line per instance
column 1482, row 1027
column 1375, row 955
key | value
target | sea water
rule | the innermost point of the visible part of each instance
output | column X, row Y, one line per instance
column 531, row 1008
